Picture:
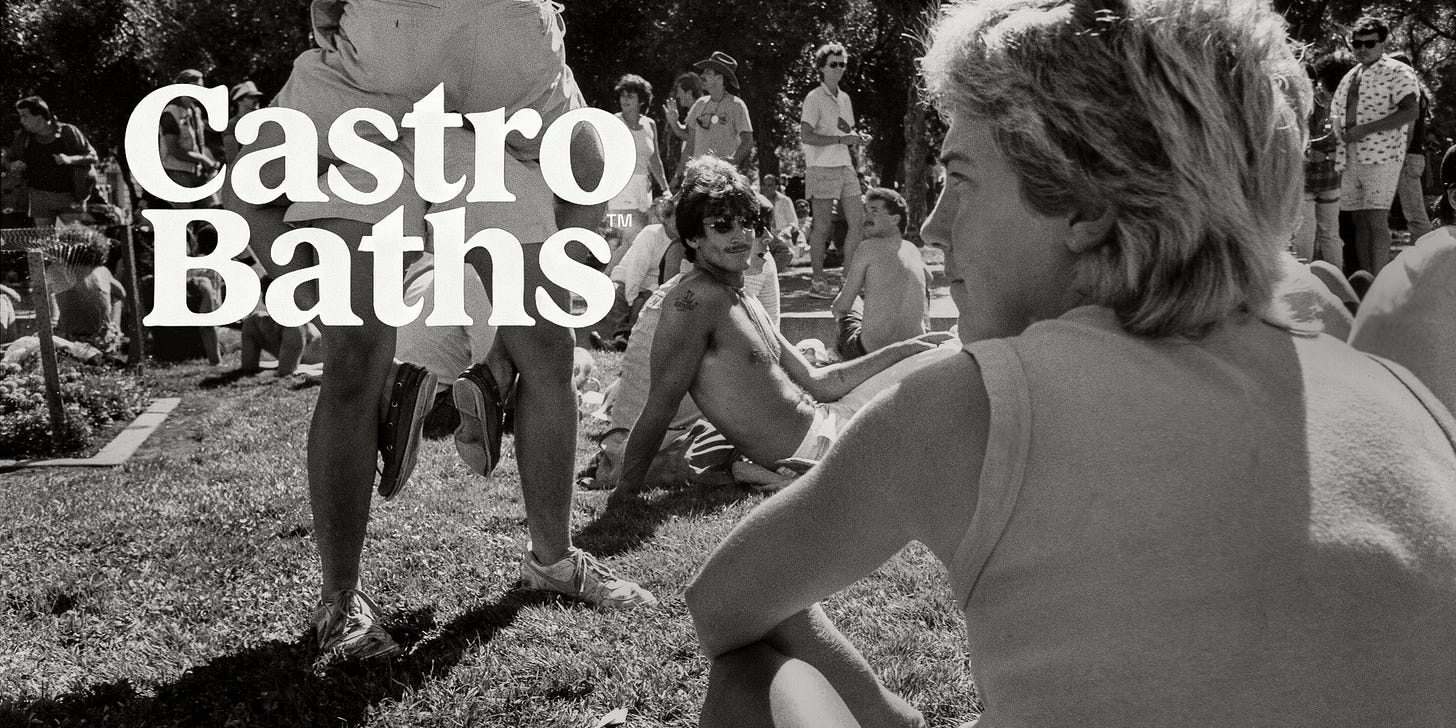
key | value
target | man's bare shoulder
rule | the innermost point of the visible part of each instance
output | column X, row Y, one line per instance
column 697, row 297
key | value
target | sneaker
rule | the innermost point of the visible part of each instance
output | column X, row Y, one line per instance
column 411, row 395
column 821, row 290
column 346, row 627
column 581, row 576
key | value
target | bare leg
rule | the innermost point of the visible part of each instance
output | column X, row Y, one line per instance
column 805, row 673
column 823, row 222
column 545, row 411
column 854, row 217
column 343, row 437
column 1372, row 239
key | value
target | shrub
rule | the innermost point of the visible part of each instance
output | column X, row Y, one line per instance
column 93, row 396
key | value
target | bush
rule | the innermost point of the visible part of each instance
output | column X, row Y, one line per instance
column 93, row 396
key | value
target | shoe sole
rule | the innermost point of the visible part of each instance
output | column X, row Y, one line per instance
column 477, row 395
column 419, row 384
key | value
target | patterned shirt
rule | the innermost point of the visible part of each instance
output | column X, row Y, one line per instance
column 1379, row 90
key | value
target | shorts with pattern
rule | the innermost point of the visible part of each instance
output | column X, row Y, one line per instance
column 1370, row 186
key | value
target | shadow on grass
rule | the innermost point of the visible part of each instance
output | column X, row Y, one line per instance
column 275, row 683
column 623, row 527
column 226, row 379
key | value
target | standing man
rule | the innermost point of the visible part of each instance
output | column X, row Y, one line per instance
column 719, row 121
column 826, row 126
column 1371, row 109
column 183, row 142
column 1411, row 190
column 387, row 56
column 55, row 160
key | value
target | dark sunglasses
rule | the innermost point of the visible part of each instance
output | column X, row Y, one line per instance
column 1364, row 43
column 837, row 64
column 727, row 224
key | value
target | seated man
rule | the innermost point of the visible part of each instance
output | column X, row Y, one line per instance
column 87, row 299
column 716, row 343
column 891, row 277
column 291, row 346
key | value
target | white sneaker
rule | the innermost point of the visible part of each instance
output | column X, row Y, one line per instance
column 581, row 576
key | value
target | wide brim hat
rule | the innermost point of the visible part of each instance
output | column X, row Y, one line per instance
column 246, row 88
column 722, row 63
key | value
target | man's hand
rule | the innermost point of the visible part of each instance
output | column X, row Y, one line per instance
column 669, row 111
column 855, row 140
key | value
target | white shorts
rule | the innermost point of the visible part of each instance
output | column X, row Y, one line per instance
column 830, row 419
column 531, row 218
column 1370, row 186
column 388, row 54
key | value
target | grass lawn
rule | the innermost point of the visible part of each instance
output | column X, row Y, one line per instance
column 175, row 591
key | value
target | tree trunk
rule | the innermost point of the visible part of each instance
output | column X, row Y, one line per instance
column 917, row 149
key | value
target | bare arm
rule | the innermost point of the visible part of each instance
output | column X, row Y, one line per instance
column 827, row 384
column 745, row 148
column 654, row 163
column 679, row 344
column 906, row 469
column 669, row 112
column 815, row 139
column 853, row 284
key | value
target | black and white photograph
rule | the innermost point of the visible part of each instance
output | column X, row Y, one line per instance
column 656, row 364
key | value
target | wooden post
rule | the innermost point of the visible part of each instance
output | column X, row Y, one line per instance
column 137, row 350
column 40, row 297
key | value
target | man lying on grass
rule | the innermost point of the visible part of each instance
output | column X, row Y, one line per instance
column 716, row 343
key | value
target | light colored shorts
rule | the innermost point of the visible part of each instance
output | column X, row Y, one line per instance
column 830, row 419
column 636, row 196
column 1370, row 186
column 531, row 218
column 831, row 183
column 388, row 54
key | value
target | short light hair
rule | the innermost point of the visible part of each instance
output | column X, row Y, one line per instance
column 1184, row 118
column 822, row 54
column 894, row 203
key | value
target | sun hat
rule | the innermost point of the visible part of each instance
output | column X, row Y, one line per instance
column 246, row 88
column 722, row 63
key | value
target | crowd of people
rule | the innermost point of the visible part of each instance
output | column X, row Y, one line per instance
column 1180, row 466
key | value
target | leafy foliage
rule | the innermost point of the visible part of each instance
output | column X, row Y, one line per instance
column 93, row 396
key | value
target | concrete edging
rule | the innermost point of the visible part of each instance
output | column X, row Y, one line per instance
column 121, row 447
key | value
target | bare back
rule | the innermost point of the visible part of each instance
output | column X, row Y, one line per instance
column 895, row 290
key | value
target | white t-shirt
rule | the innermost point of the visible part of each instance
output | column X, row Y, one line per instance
column 638, row 269
column 830, row 116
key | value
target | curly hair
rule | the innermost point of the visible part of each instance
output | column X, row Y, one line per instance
column 711, row 187
column 1185, row 118
column 633, row 83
